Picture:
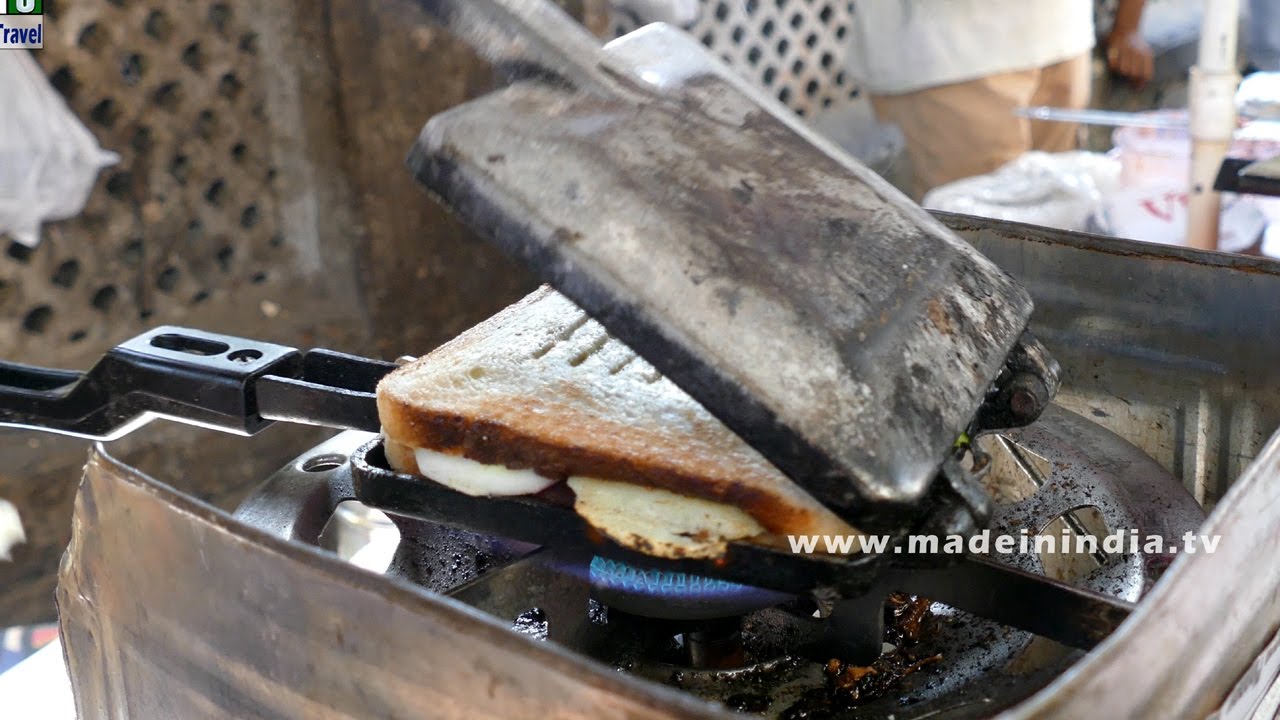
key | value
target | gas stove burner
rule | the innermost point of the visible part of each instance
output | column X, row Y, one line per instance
column 754, row 649
column 673, row 595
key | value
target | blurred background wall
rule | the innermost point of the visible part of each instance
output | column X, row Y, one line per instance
column 260, row 192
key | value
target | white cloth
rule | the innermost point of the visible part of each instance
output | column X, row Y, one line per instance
column 902, row 46
column 38, row 688
column 49, row 161
column 10, row 528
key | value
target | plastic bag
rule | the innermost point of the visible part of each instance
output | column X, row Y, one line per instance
column 1158, row 213
column 1259, row 96
column 10, row 529
column 48, row 159
column 1061, row 190
column 1271, row 241
column 1155, row 169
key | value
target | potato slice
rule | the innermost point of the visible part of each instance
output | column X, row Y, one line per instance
column 659, row 522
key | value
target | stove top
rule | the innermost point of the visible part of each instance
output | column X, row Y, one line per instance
column 769, row 653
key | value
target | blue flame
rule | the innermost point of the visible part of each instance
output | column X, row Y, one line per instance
column 621, row 577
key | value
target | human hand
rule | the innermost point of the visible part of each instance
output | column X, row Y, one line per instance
column 1131, row 57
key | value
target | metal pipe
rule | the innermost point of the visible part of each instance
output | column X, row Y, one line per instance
column 1214, row 80
column 1112, row 118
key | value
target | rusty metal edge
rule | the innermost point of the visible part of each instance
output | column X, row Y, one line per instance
column 1106, row 244
column 639, row 698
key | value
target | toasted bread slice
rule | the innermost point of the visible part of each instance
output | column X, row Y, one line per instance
column 541, row 386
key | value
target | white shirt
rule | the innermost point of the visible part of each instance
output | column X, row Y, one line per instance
column 906, row 45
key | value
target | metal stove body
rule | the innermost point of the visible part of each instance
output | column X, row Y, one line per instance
column 217, row 614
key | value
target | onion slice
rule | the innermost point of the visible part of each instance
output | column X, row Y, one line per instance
column 476, row 478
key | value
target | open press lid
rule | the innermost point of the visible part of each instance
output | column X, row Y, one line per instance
column 820, row 314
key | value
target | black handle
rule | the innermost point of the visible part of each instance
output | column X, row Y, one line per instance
column 35, row 397
column 35, row 379
column 219, row 381
column 1249, row 177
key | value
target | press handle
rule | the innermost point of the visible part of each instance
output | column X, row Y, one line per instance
column 217, row 381
column 187, row 375
column 19, row 378
column 39, row 397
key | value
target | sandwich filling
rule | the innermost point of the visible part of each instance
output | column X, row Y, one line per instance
column 541, row 393
column 646, row 519
column 659, row 522
column 478, row 479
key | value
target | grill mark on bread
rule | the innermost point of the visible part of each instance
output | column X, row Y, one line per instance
column 594, row 421
column 622, row 365
column 590, row 350
column 493, row 443
column 562, row 336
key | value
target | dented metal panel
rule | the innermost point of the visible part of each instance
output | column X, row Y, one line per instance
column 172, row 609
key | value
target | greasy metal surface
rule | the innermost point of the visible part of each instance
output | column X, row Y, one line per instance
column 1073, row 463
column 1077, row 617
column 1080, row 465
column 834, row 325
column 1189, row 642
column 439, row 558
column 986, row 666
column 1172, row 349
column 777, row 668
column 296, row 503
column 1076, row 463
column 291, row 632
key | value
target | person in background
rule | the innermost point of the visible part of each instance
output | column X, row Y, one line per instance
column 1264, row 36
column 950, row 74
